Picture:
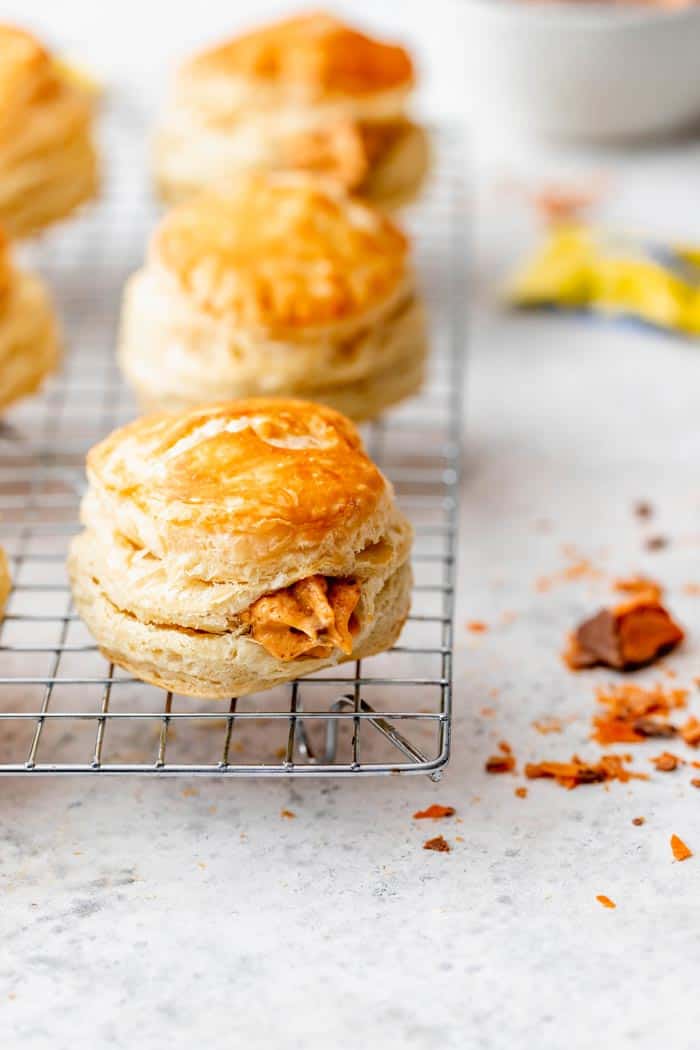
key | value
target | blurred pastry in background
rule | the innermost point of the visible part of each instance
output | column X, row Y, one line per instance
column 280, row 286
column 239, row 546
column 81, row 76
column 577, row 267
column 5, row 581
column 29, row 334
column 307, row 94
column 48, row 163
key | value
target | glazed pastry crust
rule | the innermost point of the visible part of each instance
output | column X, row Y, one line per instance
column 48, row 164
column 190, row 520
column 29, row 335
column 280, row 253
column 312, row 57
column 269, row 490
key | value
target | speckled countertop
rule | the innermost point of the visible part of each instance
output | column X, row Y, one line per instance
column 177, row 914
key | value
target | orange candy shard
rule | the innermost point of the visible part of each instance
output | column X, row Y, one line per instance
column 439, row 844
column 679, row 848
column 631, row 635
column 571, row 774
column 434, row 812
column 635, row 713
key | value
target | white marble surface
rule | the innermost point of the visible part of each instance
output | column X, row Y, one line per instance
column 167, row 913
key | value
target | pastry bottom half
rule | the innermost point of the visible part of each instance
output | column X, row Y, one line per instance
column 218, row 666
column 179, row 360
column 187, row 164
column 363, row 400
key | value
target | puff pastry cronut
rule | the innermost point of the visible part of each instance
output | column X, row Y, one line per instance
column 239, row 546
column 48, row 164
column 306, row 94
column 281, row 286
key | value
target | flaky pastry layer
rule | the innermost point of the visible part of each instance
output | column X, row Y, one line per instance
column 156, row 589
column 221, row 665
column 29, row 337
column 385, row 162
column 48, row 164
column 177, row 356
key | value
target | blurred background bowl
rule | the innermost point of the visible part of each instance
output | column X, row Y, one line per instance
column 581, row 71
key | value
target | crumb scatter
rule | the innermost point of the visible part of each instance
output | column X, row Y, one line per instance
column 434, row 812
column 439, row 844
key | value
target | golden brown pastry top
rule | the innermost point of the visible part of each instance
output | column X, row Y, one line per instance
column 311, row 56
column 22, row 60
column 27, row 73
column 281, row 252
column 32, row 81
column 285, row 472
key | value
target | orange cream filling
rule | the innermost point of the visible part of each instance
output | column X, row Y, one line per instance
column 310, row 618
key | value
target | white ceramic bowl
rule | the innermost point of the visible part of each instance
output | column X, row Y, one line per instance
column 591, row 72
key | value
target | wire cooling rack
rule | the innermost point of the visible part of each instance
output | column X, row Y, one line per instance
column 63, row 707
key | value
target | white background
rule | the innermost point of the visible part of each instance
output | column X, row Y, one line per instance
column 139, row 916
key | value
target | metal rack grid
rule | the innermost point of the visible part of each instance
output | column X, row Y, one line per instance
column 63, row 707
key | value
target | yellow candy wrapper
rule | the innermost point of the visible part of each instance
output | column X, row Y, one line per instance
column 582, row 269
